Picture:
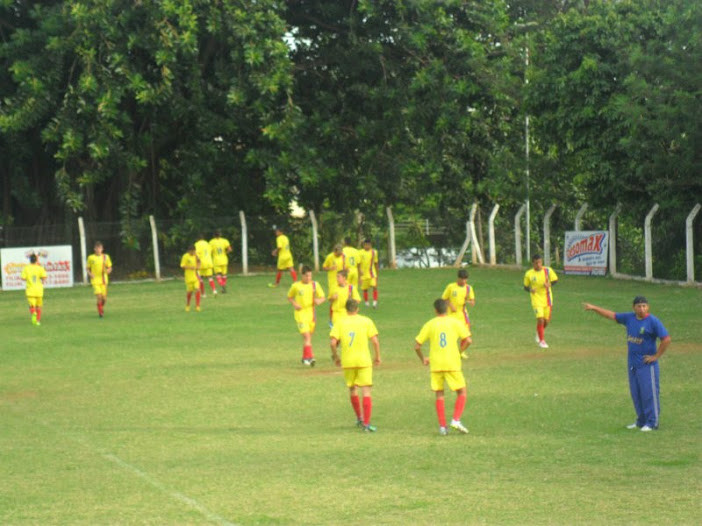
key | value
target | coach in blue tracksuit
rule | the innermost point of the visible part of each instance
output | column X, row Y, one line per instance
column 642, row 331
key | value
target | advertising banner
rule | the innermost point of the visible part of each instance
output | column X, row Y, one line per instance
column 586, row 252
column 57, row 260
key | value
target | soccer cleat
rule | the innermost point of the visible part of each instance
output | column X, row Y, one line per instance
column 197, row 309
column 359, row 423
column 375, row 304
column 646, row 429
column 312, row 361
column 38, row 324
column 456, row 424
column 632, row 426
column 101, row 315
column 224, row 289
column 543, row 344
column 272, row 285
column 369, row 429
column 367, row 304
column 215, row 293
column 443, row 431
column 187, row 308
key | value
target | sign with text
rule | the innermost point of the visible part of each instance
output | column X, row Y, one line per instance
column 586, row 252
column 57, row 260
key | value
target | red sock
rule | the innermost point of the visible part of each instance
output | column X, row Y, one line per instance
column 375, row 294
column 307, row 352
column 356, row 403
column 99, row 307
column 32, row 310
column 38, row 310
column 440, row 412
column 219, row 280
column 458, row 408
column 224, row 280
column 540, row 331
column 367, row 407
column 197, row 298
column 365, row 296
column 293, row 274
column 189, row 295
column 278, row 276
column 202, row 287
column 212, row 285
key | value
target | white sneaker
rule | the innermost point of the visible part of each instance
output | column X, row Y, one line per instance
column 632, row 426
column 367, row 304
column 456, row 424
column 536, row 338
column 646, row 429
column 543, row 344
column 443, row 431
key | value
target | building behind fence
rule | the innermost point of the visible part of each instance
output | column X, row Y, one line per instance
column 152, row 247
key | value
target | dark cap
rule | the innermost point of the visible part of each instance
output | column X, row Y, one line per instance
column 640, row 299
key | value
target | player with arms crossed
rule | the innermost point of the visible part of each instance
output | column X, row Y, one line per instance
column 458, row 295
column 34, row 276
column 285, row 258
column 204, row 254
column 304, row 296
column 99, row 267
column 642, row 331
column 220, row 259
column 539, row 281
column 444, row 361
column 352, row 333
column 190, row 264
column 344, row 292
column 368, row 271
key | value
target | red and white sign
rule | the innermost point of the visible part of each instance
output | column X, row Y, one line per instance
column 57, row 260
column 586, row 252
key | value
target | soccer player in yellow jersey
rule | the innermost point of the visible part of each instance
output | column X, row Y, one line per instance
column 204, row 254
column 99, row 268
column 304, row 296
column 344, row 292
column 444, row 360
column 538, row 281
column 34, row 276
column 368, row 271
column 352, row 333
column 285, row 258
column 190, row 264
column 333, row 263
column 459, row 295
column 220, row 259
column 352, row 256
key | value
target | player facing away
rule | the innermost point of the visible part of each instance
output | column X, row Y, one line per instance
column 285, row 257
column 34, row 276
column 368, row 271
column 220, row 259
column 99, row 267
column 304, row 296
column 459, row 295
column 352, row 256
column 643, row 329
column 350, row 336
column 190, row 264
column 539, row 282
column 444, row 361
column 204, row 254
column 344, row 292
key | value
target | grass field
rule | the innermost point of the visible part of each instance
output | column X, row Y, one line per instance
column 156, row 416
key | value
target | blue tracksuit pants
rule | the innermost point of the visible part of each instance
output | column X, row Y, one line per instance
column 645, row 391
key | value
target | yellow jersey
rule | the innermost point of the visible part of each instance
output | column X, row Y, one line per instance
column 190, row 263
column 353, row 333
column 458, row 296
column 220, row 247
column 443, row 333
column 304, row 294
column 368, row 263
column 33, row 274
column 203, row 250
column 337, row 263
column 541, row 296
column 343, row 294
column 97, row 266
column 352, row 256
column 282, row 243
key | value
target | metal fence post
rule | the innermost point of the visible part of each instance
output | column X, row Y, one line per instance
column 315, row 240
column 491, row 234
column 518, row 234
column 244, row 244
column 648, row 252
column 579, row 217
column 391, row 238
column 547, row 235
column 476, row 253
column 689, row 246
column 466, row 243
column 154, row 243
column 83, row 251
column 613, row 240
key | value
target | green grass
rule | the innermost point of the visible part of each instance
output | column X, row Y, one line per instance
column 156, row 416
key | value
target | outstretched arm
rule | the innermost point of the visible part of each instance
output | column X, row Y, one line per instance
column 605, row 313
